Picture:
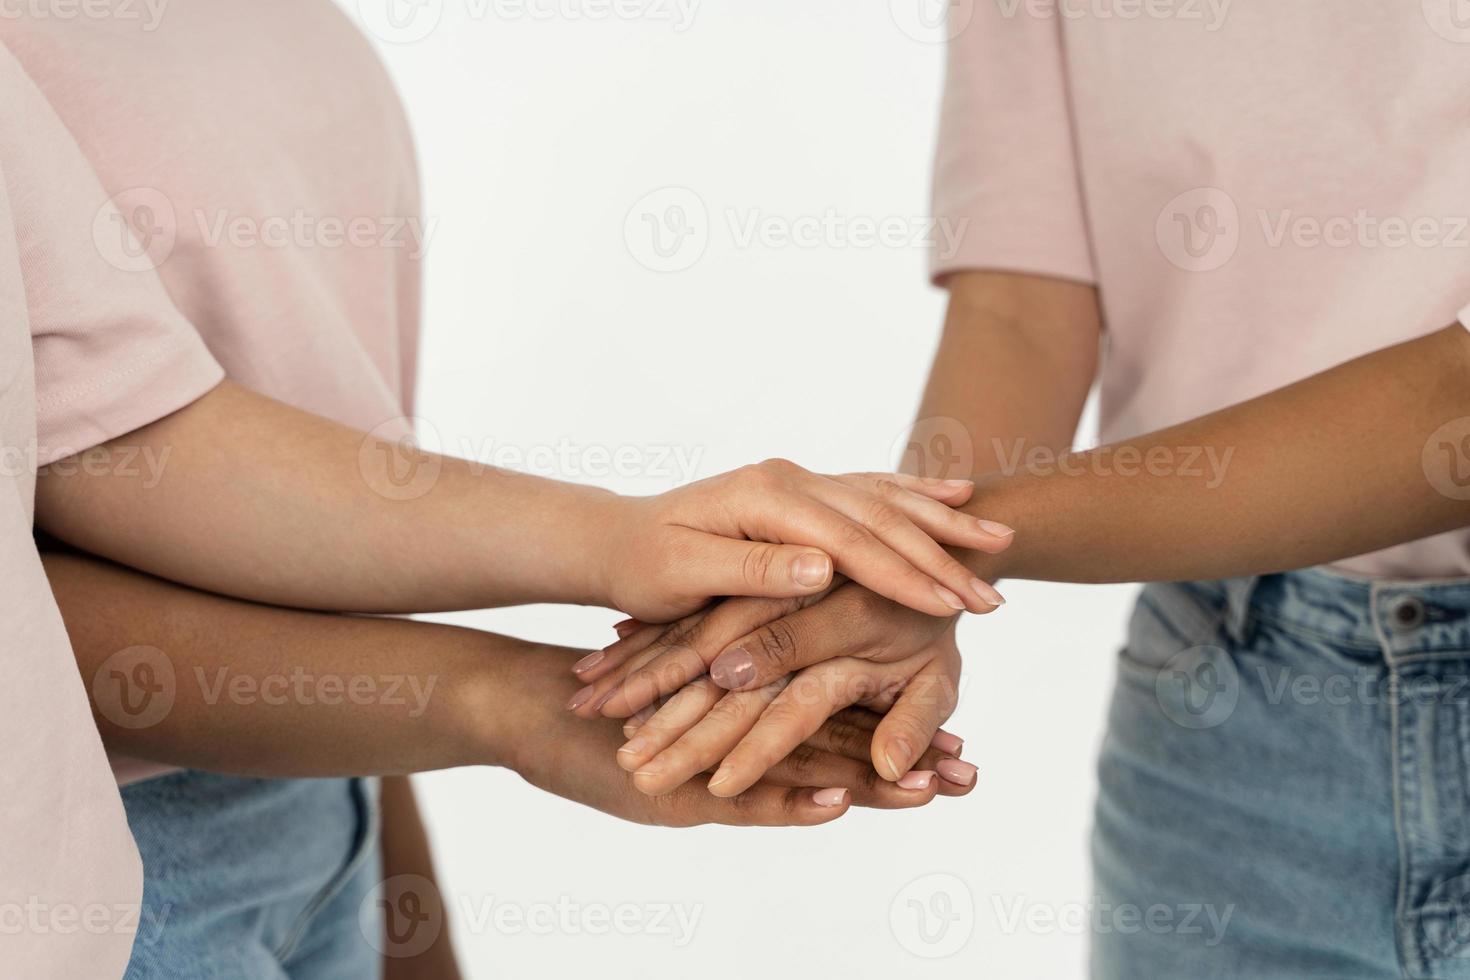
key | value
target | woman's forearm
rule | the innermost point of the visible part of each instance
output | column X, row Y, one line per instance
column 245, row 496
column 186, row 678
column 1357, row 458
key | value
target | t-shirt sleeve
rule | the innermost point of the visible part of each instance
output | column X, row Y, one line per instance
column 1005, row 177
column 112, row 352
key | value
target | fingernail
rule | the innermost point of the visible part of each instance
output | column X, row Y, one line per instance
column 625, row 627
column 589, row 661
column 634, row 745
column 900, row 748
column 948, row 598
column 948, row 744
column 733, row 669
column 958, row 484
column 916, row 780
column 996, row 528
column 987, row 592
column 721, row 774
column 957, row 772
column 655, row 767
column 812, row 571
column 606, row 697
column 580, row 698
column 830, row 797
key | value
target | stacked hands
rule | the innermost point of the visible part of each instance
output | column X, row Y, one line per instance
column 824, row 679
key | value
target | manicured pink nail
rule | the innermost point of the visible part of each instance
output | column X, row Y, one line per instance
column 958, row 484
column 606, row 697
column 830, row 797
column 733, row 669
column 987, row 592
column 625, row 627
column 957, row 772
column 948, row 744
column 948, row 598
column 580, row 698
column 812, row 571
column 996, row 528
column 589, row 661
column 918, row 779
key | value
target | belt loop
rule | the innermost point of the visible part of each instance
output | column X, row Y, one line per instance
column 1238, row 593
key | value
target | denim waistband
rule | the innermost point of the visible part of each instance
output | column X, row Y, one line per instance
column 1401, row 620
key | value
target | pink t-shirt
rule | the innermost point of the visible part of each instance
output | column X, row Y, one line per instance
column 237, row 174
column 263, row 164
column 87, row 352
column 1259, row 191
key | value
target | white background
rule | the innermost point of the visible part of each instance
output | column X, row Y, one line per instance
column 540, row 128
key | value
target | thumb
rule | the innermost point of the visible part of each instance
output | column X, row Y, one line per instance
column 731, row 567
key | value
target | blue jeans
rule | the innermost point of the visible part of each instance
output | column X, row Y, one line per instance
column 1285, row 783
column 254, row 879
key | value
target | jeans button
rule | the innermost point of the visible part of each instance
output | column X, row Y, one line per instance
column 1406, row 613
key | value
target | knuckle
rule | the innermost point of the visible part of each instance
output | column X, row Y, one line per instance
column 881, row 517
column 852, row 535
column 887, row 489
column 757, row 565
column 802, row 763
column 778, row 642
column 849, row 740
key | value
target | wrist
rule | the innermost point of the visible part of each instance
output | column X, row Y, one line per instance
column 994, row 500
column 504, row 709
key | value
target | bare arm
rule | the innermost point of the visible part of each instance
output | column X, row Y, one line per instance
column 185, row 678
column 248, row 497
column 1348, row 461
column 406, row 851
